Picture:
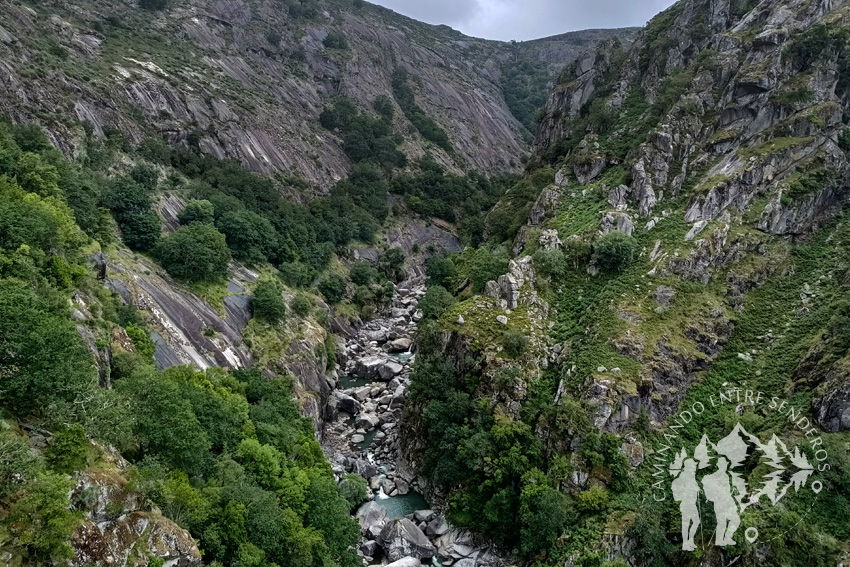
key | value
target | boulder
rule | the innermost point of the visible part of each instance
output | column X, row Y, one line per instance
column 367, row 421
column 380, row 336
column 368, row 367
column 346, row 403
column 437, row 527
column 400, row 345
column 362, row 467
column 371, row 515
column 362, row 394
column 369, row 548
column 389, row 370
column 455, row 543
column 424, row 515
column 402, row 538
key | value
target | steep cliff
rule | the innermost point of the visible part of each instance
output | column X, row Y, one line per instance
column 679, row 232
column 248, row 79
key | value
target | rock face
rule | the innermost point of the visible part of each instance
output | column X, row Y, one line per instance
column 733, row 151
column 402, row 538
column 119, row 524
column 247, row 80
column 180, row 318
column 729, row 155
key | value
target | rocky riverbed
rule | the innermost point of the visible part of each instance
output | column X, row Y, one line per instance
column 361, row 435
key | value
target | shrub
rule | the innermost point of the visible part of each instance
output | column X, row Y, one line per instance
column 383, row 105
column 17, row 464
column 268, row 302
column 614, row 251
column 354, row 489
column 41, row 519
column 333, row 287
column 844, row 140
column 437, row 300
column 515, row 343
column 551, row 263
column 362, row 273
column 67, row 453
column 391, row 262
column 196, row 252
column 197, row 211
column 130, row 203
column 141, row 340
column 335, row 40
column 486, row 266
column 301, row 305
column 594, row 499
column 274, row 37
column 146, row 176
column 297, row 274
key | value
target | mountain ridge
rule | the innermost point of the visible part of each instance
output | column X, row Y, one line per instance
column 248, row 80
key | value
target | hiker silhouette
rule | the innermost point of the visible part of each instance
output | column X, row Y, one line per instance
column 686, row 491
column 718, row 490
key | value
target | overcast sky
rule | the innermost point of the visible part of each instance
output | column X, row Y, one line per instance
column 528, row 19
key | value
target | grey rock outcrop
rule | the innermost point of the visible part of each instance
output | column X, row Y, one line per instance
column 402, row 538
column 371, row 516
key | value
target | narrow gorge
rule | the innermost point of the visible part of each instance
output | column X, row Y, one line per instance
column 308, row 283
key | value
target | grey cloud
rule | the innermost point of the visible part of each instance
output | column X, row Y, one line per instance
column 528, row 19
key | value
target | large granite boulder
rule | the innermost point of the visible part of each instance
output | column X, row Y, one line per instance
column 402, row 538
column 371, row 516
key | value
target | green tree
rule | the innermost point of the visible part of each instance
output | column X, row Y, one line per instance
column 43, row 223
column 130, row 203
column 41, row 519
column 362, row 272
column 354, row 489
column 328, row 512
column 391, row 263
column 68, row 450
column 436, row 301
column 332, row 287
column 614, row 251
column 146, row 176
column 165, row 424
column 197, row 211
column 550, row 263
column 262, row 462
column 36, row 176
column 43, row 360
column 544, row 514
column 17, row 462
column 384, row 107
column 251, row 237
column 440, row 270
column 196, row 252
column 268, row 304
